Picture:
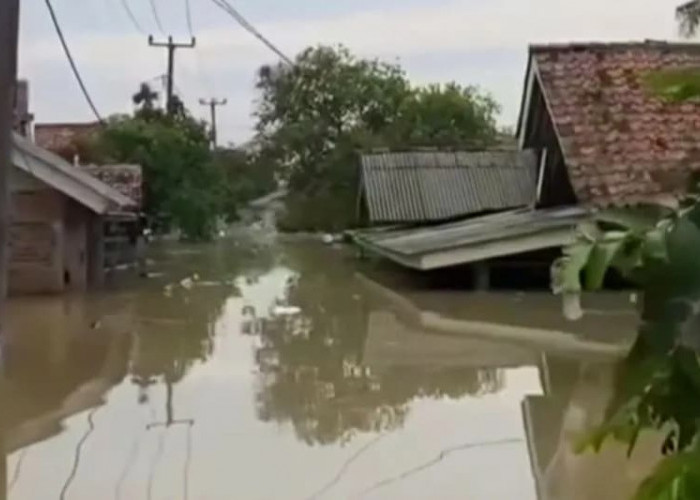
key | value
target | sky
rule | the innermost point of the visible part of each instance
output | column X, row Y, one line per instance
column 472, row 42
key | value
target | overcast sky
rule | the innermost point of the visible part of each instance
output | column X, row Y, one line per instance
column 481, row 42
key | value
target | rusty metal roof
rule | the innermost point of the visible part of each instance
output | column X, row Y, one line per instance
column 622, row 144
column 417, row 187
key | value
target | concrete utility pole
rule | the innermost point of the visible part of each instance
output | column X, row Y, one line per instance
column 9, row 28
column 171, row 46
column 213, row 103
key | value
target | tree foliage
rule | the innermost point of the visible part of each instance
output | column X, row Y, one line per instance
column 315, row 115
column 182, row 186
column 446, row 116
column 246, row 176
column 688, row 15
column 186, row 185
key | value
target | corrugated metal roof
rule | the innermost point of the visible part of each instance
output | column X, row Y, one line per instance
column 440, row 185
column 61, row 175
column 408, row 246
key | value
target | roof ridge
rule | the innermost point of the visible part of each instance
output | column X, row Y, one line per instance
column 614, row 45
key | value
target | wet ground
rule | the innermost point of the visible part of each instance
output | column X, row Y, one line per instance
column 292, row 371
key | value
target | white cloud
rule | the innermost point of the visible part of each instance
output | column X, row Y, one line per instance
column 113, row 63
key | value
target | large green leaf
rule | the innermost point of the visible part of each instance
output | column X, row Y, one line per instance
column 655, row 247
column 566, row 271
column 675, row 478
column 683, row 246
column 640, row 219
column 601, row 257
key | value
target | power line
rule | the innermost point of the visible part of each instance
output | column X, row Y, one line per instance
column 190, row 27
column 156, row 16
column 132, row 16
column 230, row 10
column 73, row 66
column 188, row 15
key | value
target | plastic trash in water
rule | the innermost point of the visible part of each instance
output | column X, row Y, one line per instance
column 280, row 310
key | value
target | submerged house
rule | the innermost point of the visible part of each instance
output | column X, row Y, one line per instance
column 450, row 208
column 594, row 135
column 59, row 214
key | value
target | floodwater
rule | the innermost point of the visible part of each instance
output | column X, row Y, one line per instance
column 290, row 371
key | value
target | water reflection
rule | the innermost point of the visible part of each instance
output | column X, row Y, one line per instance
column 313, row 365
column 233, row 361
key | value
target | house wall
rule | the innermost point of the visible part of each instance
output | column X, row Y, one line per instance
column 75, row 256
column 36, row 240
column 48, row 240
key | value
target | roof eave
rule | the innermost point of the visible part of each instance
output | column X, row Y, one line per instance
column 526, row 91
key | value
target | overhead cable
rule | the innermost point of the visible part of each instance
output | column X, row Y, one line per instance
column 73, row 66
column 188, row 15
column 156, row 16
column 132, row 17
column 238, row 17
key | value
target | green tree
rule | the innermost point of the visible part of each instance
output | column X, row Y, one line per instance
column 688, row 16
column 246, row 176
column 145, row 98
column 183, row 186
column 307, row 109
column 449, row 116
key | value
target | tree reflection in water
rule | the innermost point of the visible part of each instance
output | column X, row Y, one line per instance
column 175, row 331
column 311, row 365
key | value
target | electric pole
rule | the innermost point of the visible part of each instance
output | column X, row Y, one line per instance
column 213, row 103
column 9, row 28
column 171, row 46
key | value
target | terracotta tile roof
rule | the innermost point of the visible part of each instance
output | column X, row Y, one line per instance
column 621, row 143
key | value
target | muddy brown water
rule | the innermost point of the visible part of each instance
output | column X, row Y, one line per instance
column 292, row 371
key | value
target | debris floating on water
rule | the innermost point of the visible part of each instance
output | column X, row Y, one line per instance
column 279, row 310
column 572, row 306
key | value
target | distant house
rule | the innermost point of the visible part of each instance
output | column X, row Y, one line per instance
column 603, row 137
column 63, row 138
column 58, row 214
